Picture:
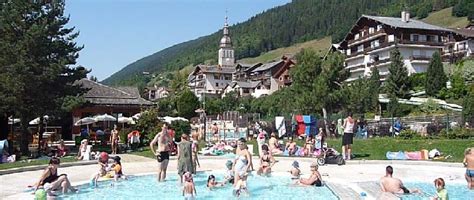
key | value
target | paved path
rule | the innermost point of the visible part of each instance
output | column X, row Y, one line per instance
column 351, row 175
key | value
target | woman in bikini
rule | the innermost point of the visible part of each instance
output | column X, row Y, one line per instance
column 314, row 179
column 50, row 175
column 266, row 162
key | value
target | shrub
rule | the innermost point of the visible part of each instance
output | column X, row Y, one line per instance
column 457, row 133
column 180, row 127
column 123, row 133
column 409, row 134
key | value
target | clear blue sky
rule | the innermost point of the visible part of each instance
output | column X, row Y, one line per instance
column 116, row 33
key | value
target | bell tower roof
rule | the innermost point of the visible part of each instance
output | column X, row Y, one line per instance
column 225, row 40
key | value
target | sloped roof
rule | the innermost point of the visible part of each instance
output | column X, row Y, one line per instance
column 410, row 24
column 267, row 66
column 215, row 69
column 247, row 84
column 106, row 95
column 465, row 32
column 130, row 90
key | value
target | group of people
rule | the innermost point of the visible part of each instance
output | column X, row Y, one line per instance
column 237, row 171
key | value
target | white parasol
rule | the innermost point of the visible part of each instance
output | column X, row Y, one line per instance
column 13, row 121
column 105, row 118
column 85, row 121
column 126, row 120
column 36, row 121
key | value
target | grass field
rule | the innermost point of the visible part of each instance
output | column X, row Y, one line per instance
column 319, row 45
column 445, row 19
column 33, row 162
column 376, row 148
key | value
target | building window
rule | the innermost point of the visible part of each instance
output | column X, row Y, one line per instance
column 226, row 77
column 216, row 76
column 348, row 52
column 356, row 36
column 414, row 37
column 360, row 48
column 374, row 44
column 371, row 30
column 379, row 27
column 217, row 84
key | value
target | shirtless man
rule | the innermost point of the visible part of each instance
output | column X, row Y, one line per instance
column 273, row 144
column 114, row 140
column 393, row 185
column 469, row 163
column 163, row 151
column 291, row 147
column 215, row 131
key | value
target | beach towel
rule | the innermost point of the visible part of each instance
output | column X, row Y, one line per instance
column 301, row 125
column 400, row 155
column 280, row 125
column 414, row 155
column 308, row 124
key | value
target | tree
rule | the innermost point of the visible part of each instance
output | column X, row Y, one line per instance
column 36, row 54
column 435, row 77
column 468, row 107
column 397, row 83
column 186, row 104
column 374, row 88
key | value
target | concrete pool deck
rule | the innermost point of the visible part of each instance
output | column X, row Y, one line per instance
column 346, row 181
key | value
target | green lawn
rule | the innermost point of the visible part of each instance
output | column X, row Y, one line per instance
column 33, row 162
column 376, row 148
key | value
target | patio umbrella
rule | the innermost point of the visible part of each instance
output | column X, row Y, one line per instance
column 13, row 121
column 105, row 118
column 169, row 119
column 85, row 121
column 126, row 120
column 36, row 121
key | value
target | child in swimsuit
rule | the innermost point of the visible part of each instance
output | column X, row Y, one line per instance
column 117, row 168
column 212, row 183
column 295, row 171
column 189, row 190
column 441, row 192
column 229, row 177
column 102, row 163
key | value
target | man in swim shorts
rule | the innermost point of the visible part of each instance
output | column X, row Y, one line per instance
column 469, row 163
column 163, row 151
column 393, row 185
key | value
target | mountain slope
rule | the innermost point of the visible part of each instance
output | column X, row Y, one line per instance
column 445, row 19
column 282, row 26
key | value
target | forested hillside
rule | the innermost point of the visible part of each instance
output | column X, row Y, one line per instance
column 298, row 21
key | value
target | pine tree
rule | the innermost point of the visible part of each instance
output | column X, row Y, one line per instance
column 36, row 54
column 468, row 107
column 397, row 83
column 186, row 104
column 374, row 87
column 435, row 77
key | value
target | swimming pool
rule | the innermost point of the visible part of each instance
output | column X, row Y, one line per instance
column 455, row 191
column 146, row 187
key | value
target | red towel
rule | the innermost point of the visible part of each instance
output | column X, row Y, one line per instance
column 301, row 125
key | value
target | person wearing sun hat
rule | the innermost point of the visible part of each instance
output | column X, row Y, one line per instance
column 314, row 179
column 295, row 170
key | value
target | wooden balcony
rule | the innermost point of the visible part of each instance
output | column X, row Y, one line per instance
column 365, row 37
column 428, row 43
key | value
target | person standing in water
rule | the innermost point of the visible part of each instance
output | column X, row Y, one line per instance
column 347, row 138
column 469, row 163
column 162, row 153
column 185, row 162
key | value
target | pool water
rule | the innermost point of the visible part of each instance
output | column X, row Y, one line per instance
column 146, row 187
column 455, row 191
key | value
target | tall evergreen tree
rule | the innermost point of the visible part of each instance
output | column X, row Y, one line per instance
column 186, row 104
column 435, row 77
column 36, row 54
column 468, row 106
column 397, row 83
column 374, row 87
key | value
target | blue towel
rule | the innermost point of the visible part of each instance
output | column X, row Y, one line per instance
column 307, row 119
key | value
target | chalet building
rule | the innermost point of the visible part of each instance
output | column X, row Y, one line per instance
column 459, row 45
column 209, row 81
column 369, row 42
column 248, row 79
column 102, row 99
column 154, row 93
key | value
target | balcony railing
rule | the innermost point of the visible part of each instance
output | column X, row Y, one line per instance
column 366, row 50
column 361, row 39
column 429, row 43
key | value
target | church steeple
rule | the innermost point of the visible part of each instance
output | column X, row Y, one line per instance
column 226, row 51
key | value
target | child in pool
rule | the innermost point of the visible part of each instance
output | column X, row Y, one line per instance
column 189, row 190
column 102, row 163
column 441, row 192
column 229, row 177
column 240, row 187
column 295, row 171
column 212, row 183
column 117, row 168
